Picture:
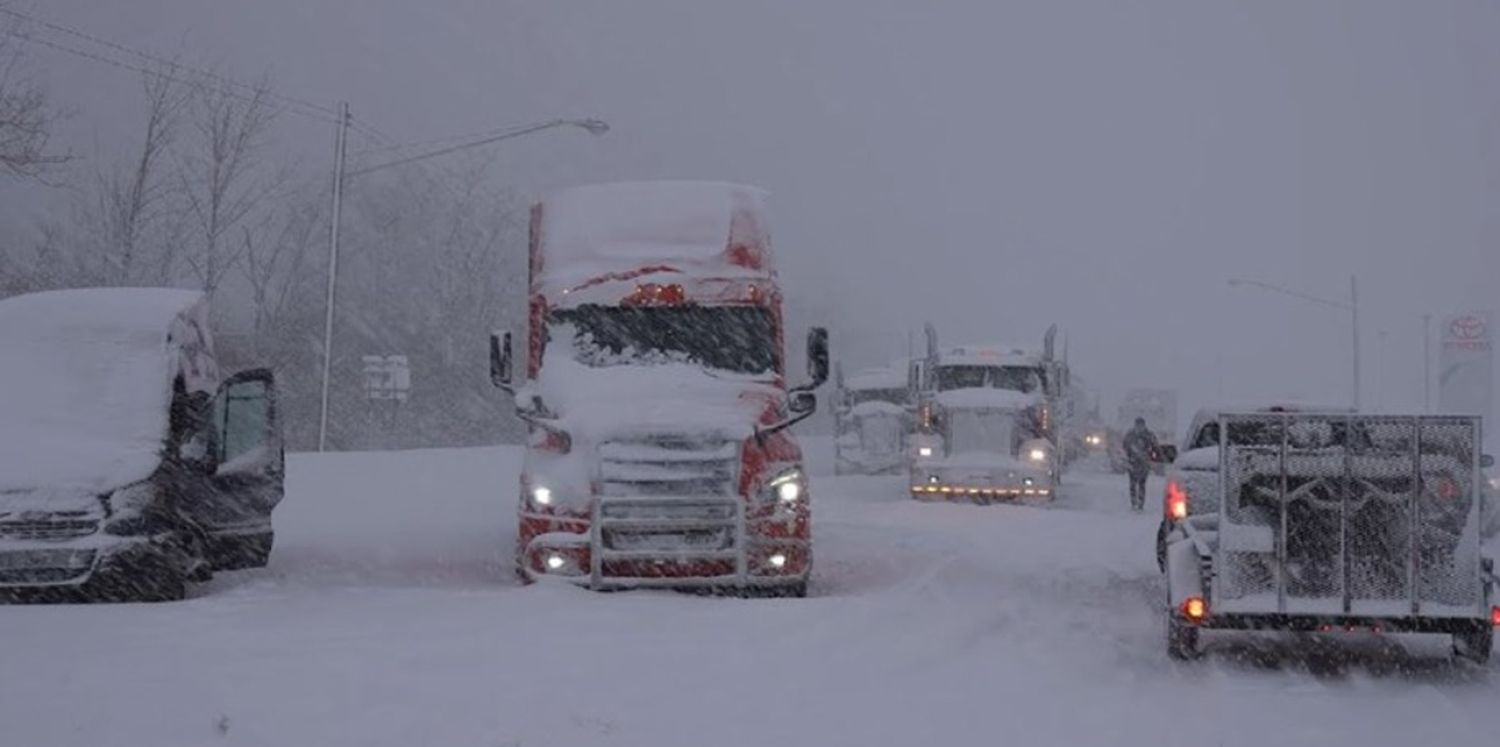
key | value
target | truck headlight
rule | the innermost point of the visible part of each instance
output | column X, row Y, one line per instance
column 1037, row 455
column 787, row 486
column 541, row 495
column 924, row 451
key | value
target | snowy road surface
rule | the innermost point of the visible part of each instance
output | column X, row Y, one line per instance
column 388, row 616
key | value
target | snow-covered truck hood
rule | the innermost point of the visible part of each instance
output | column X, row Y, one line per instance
column 626, row 400
column 86, row 384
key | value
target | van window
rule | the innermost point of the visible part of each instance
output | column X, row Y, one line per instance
column 241, row 412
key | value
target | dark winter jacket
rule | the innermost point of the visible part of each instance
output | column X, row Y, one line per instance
column 1139, row 444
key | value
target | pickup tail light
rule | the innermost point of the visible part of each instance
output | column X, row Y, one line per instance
column 1177, row 501
column 1495, row 616
column 1195, row 609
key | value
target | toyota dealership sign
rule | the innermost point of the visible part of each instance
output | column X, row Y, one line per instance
column 1466, row 370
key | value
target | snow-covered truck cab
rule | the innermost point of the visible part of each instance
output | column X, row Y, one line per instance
column 1318, row 519
column 131, row 467
column 655, row 394
column 872, row 417
column 985, row 425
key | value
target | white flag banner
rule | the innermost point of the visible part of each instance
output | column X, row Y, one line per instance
column 1465, row 371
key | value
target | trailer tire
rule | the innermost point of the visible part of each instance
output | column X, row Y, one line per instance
column 1475, row 645
column 1182, row 638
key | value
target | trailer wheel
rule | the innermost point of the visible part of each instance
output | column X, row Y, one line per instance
column 1182, row 638
column 1475, row 645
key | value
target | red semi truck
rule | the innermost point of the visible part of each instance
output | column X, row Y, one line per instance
column 655, row 395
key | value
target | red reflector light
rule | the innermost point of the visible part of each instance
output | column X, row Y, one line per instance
column 1177, row 502
column 1495, row 616
column 1194, row 608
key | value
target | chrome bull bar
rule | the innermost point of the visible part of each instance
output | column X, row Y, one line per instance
column 668, row 532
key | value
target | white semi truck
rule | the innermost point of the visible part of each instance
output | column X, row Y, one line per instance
column 987, row 421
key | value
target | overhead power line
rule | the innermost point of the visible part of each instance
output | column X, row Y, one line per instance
column 226, row 84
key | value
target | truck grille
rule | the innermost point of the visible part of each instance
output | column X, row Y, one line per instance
column 668, row 465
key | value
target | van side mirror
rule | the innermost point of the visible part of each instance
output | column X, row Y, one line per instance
column 501, row 368
column 817, row 357
column 1164, row 454
column 1486, row 461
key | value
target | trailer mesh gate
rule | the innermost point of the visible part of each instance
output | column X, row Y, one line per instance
column 1360, row 515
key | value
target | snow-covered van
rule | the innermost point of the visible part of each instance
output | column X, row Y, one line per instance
column 656, row 396
column 1315, row 519
column 986, row 423
column 129, row 466
column 872, row 417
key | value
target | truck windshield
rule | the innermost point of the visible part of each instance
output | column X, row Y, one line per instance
column 1014, row 378
column 739, row 339
column 893, row 396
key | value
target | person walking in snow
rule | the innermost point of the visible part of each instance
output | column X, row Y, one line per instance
column 1139, row 444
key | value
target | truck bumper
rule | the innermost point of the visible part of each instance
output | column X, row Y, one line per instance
column 666, row 543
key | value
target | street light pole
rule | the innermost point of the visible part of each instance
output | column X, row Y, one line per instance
column 1354, row 314
column 1352, row 307
column 592, row 126
column 1427, row 363
column 340, row 146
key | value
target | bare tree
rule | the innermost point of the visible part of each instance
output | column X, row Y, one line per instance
column 276, row 266
column 26, row 114
column 224, row 179
column 135, row 200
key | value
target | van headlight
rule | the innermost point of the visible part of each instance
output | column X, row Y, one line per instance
column 924, row 451
column 1037, row 454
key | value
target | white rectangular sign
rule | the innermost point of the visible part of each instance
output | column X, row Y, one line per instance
column 1466, row 369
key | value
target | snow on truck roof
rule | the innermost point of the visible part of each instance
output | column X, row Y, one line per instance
column 85, row 383
column 630, row 229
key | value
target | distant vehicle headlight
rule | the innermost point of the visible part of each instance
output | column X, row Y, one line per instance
column 1038, row 455
column 924, row 451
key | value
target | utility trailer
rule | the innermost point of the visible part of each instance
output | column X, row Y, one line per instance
column 1327, row 522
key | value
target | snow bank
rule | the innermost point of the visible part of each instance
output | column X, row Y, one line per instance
column 85, row 384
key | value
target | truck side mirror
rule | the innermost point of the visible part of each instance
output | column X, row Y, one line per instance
column 1486, row 461
column 1164, row 454
column 817, row 357
column 801, row 403
column 500, row 361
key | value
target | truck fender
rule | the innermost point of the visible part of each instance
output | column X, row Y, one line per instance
column 1184, row 572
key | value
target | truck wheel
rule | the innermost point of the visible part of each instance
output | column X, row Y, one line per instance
column 1475, row 645
column 1182, row 638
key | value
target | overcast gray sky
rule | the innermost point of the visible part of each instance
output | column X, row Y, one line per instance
column 990, row 166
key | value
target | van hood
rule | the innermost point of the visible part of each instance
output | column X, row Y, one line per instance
column 16, row 504
column 43, row 464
